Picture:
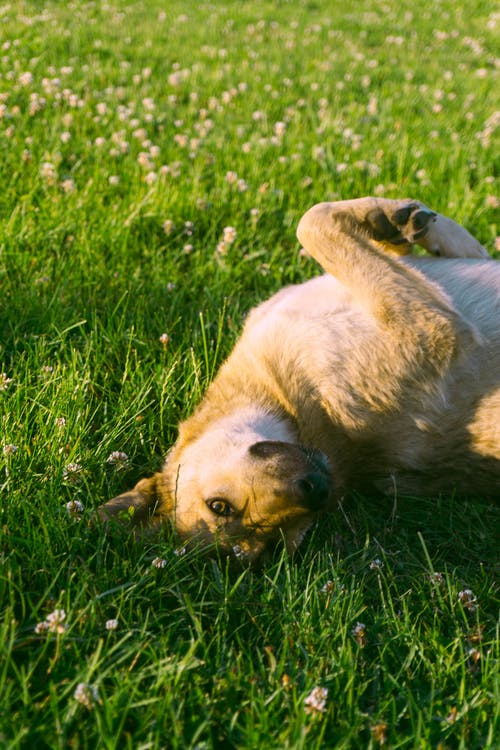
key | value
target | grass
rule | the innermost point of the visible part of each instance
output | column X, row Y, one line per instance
column 131, row 135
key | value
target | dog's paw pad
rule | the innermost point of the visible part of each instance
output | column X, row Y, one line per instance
column 413, row 220
column 422, row 217
column 381, row 228
column 398, row 222
column 401, row 215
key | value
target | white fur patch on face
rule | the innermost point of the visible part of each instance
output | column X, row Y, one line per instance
column 222, row 448
column 216, row 464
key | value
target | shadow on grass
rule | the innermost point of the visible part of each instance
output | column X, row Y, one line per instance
column 450, row 532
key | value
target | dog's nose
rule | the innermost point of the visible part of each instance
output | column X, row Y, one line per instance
column 314, row 489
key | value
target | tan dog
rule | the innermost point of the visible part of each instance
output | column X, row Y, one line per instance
column 384, row 373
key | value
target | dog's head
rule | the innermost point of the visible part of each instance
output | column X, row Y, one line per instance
column 241, row 497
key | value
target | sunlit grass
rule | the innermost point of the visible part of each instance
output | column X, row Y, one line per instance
column 131, row 136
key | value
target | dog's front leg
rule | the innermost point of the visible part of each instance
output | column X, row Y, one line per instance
column 348, row 239
column 396, row 225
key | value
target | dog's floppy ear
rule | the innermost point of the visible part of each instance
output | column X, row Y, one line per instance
column 148, row 504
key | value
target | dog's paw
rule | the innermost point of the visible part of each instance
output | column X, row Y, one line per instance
column 413, row 220
column 399, row 222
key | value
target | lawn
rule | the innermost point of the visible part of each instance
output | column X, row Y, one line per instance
column 155, row 160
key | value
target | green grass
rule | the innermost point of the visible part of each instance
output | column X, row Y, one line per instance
column 390, row 98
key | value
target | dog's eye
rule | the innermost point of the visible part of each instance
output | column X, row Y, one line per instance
column 219, row 506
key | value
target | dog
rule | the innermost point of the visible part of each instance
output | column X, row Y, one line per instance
column 381, row 375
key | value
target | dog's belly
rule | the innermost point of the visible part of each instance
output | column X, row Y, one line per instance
column 472, row 285
column 318, row 342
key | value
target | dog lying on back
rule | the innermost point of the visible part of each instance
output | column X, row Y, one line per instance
column 382, row 374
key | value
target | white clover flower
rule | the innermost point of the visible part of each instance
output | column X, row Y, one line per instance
column 279, row 129
column 119, row 459
column 315, row 702
column 164, row 339
column 181, row 139
column 48, row 172
column 180, row 551
column 474, row 655
column 74, row 509
column 168, row 226
column 150, row 178
column 159, row 562
column 4, row 381
column 229, row 235
column 86, row 694
column 55, row 621
column 144, row 161
column 319, row 153
column 26, row 79
column 328, row 588
column 41, row 627
column 114, row 180
column 111, row 624
column 68, row 185
column 175, row 79
column 71, row 472
column 359, row 633
column 9, row 449
column 468, row 600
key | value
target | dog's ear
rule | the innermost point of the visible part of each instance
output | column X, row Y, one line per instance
column 148, row 504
